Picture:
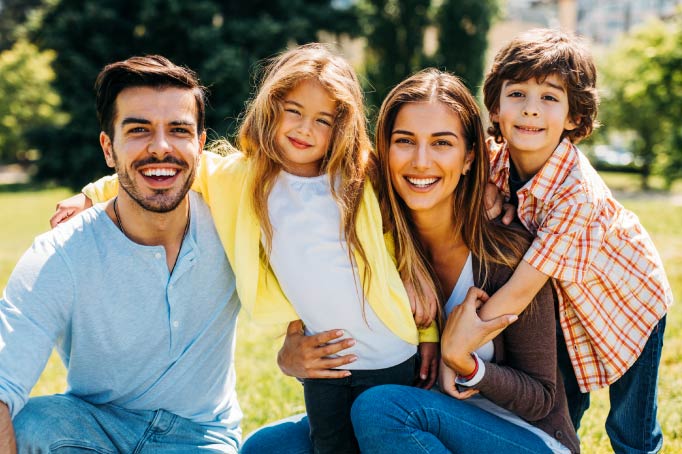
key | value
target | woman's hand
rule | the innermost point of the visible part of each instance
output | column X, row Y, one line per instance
column 304, row 356
column 446, row 380
column 464, row 332
column 428, row 366
column 67, row 208
column 495, row 205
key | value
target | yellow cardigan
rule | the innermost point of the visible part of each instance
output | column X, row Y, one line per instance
column 225, row 184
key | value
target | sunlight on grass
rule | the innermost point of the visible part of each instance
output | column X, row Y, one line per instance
column 266, row 395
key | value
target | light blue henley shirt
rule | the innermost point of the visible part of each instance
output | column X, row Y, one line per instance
column 129, row 332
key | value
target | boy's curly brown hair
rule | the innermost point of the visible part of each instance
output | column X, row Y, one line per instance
column 537, row 54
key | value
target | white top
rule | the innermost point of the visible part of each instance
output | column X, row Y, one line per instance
column 310, row 258
column 487, row 353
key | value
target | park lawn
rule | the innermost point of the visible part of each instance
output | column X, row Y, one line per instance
column 266, row 395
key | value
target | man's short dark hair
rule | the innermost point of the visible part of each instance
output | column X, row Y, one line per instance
column 149, row 71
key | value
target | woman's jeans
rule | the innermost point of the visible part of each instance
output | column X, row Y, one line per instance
column 631, row 424
column 390, row 419
column 64, row 424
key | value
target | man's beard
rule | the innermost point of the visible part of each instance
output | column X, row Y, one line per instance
column 163, row 200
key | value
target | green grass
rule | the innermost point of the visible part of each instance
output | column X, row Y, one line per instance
column 266, row 395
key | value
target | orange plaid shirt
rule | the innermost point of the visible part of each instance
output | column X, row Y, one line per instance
column 611, row 286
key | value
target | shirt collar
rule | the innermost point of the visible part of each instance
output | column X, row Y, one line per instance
column 555, row 171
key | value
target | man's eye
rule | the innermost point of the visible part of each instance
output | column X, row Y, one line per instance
column 515, row 94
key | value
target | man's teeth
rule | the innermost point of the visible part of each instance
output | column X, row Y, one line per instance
column 159, row 172
column 422, row 182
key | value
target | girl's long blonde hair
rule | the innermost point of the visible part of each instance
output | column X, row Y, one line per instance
column 490, row 242
column 349, row 155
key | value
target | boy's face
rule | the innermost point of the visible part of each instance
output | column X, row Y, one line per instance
column 532, row 116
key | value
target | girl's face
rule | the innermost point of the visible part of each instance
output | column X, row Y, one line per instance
column 427, row 157
column 305, row 128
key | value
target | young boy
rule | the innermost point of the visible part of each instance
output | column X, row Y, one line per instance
column 611, row 288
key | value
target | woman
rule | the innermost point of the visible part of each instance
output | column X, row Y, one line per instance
column 507, row 395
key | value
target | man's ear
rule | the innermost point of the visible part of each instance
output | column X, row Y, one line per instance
column 107, row 148
column 202, row 141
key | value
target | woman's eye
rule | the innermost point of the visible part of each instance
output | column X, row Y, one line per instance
column 550, row 98
column 442, row 143
column 515, row 94
column 292, row 111
column 403, row 140
column 324, row 122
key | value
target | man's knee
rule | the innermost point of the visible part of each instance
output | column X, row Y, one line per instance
column 48, row 423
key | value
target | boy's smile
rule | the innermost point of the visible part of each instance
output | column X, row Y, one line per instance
column 533, row 116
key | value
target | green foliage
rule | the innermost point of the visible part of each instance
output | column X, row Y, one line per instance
column 396, row 32
column 643, row 76
column 462, row 40
column 28, row 99
column 220, row 40
column 395, row 35
column 13, row 13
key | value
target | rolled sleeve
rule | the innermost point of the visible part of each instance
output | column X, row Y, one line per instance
column 567, row 242
column 33, row 314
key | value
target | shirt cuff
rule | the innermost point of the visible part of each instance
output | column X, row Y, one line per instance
column 476, row 378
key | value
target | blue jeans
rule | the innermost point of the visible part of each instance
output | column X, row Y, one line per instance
column 65, row 424
column 287, row 436
column 393, row 418
column 632, row 425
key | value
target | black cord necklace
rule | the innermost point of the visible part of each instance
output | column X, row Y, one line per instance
column 184, row 234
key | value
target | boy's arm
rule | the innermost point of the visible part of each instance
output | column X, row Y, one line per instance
column 514, row 296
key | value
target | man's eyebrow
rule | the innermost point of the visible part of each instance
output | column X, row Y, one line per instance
column 300, row 106
column 182, row 123
column 129, row 120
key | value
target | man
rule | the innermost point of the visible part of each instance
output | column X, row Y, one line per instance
column 136, row 294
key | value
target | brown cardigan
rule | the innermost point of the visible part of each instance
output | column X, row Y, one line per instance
column 524, row 377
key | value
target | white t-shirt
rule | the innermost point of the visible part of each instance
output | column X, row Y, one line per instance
column 310, row 259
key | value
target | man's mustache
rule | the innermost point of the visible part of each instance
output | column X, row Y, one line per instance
column 166, row 160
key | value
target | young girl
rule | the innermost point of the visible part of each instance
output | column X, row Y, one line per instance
column 302, row 229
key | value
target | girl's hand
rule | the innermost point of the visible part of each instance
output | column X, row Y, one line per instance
column 464, row 331
column 428, row 366
column 68, row 208
column 424, row 312
column 446, row 379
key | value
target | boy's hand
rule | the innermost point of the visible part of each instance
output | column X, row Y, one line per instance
column 464, row 331
column 68, row 208
column 304, row 356
column 425, row 312
column 446, row 380
column 495, row 205
column 428, row 366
